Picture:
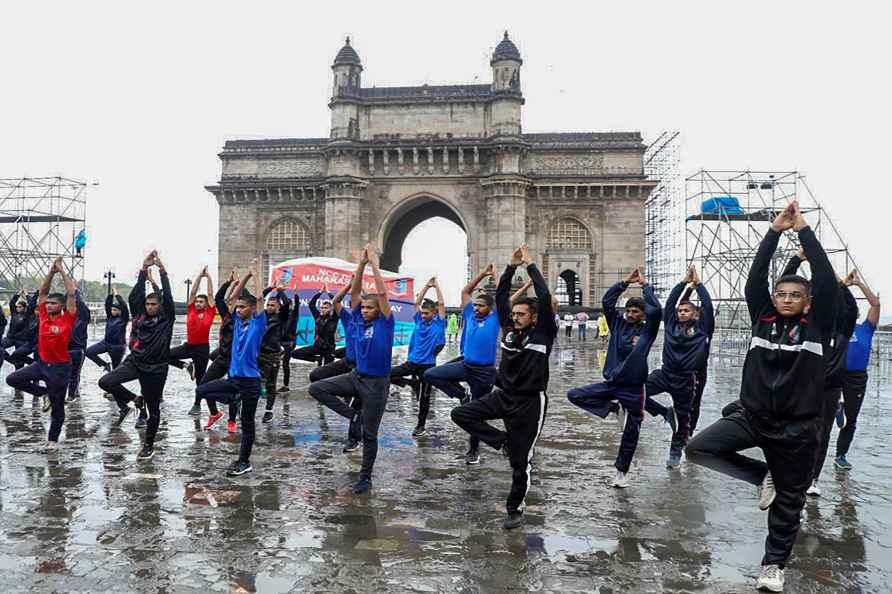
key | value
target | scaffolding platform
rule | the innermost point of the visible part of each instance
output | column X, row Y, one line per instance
column 40, row 217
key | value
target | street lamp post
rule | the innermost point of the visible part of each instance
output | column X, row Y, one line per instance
column 188, row 283
column 109, row 275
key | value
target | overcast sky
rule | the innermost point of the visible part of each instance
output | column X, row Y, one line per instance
column 142, row 100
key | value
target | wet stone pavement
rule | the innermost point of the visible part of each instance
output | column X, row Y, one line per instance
column 92, row 518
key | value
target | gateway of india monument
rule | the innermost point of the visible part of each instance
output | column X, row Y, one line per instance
column 399, row 155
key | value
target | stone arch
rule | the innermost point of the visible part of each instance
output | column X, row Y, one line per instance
column 287, row 237
column 569, row 247
column 401, row 218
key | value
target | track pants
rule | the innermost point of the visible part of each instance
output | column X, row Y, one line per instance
column 56, row 376
column 218, row 369
column 597, row 399
column 77, row 363
column 287, row 351
column 698, row 396
column 21, row 353
column 523, row 416
column 244, row 390
column 339, row 367
column 831, row 398
column 853, row 391
column 372, row 393
column 269, row 371
column 411, row 374
column 789, row 451
column 682, row 390
column 446, row 378
column 115, row 353
column 151, row 387
column 199, row 353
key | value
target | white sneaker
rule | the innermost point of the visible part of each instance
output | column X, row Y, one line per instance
column 813, row 490
column 52, row 446
column 766, row 497
column 621, row 480
column 771, row 579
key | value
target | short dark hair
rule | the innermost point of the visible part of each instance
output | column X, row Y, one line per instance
column 485, row 298
column 428, row 304
column 636, row 302
column 153, row 295
column 531, row 302
column 690, row 304
column 248, row 298
column 202, row 296
column 60, row 297
column 795, row 279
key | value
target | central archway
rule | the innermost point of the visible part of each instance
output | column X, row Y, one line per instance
column 404, row 218
column 424, row 236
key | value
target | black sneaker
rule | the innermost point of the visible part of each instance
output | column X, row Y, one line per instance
column 122, row 414
column 472, row 457
column 146, row 452
column 140, row 422
column 284, row 390
column 238, row 468
column 513, row 520
column 419, row 431
column 352, row 445
column 362, row 486
column 195, row 410
column 267, row 416
column 107, row 368
column 72, row 397
column 466, row 398
column 139, row 402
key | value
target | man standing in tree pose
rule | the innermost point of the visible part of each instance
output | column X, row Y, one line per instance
column 519, row 398
column 687, row 332
column 249, row 321
column 56, row 314
column 370, row 382
column 836, row 347
column 428, row 334
column 625, row 370
column 153, row 318
column 476, row 366
column 278, row 311
column 855, row 385
column 77, row 344
column 117, row 316
column 199, row 319
column 326, row 327
column 781, row 391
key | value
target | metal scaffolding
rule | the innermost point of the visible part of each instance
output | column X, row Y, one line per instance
column 40, row 217
column 722, row 244
column 664, row 215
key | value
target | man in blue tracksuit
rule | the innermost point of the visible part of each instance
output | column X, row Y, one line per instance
column 372, row 329
column 687, row 332
column 625, row 370
column 480, row 342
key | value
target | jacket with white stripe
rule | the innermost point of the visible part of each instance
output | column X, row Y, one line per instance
column 629, row 346
column 783, row 374
column 523, row 368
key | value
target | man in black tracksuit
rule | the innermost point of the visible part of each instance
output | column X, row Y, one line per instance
column 326, row 327
column 278, row 310
column 687, row 332
column 625, row 369
column 22, row 331
column 519, row 398
column 153, row 318
column 836, row 349
column 781, row 393
column 700, row 376
column 77, row 344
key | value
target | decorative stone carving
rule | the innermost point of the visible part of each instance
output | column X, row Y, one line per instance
column 564, row 164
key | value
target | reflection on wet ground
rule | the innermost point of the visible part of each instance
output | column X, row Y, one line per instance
column 93, row 519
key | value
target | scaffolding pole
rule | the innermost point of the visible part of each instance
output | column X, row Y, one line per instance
column 664, row 215
column 40, row 218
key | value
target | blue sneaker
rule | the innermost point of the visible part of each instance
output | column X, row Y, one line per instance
column 362, row 486
column 674, row 461
column 841, row 463
column 840, row 414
